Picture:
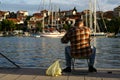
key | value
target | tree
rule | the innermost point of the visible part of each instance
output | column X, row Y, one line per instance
column 0, row 26
column 67, row 25
column 39, row 26
column 113, row 25
column 7, row 25
column 27, row 19
column 26, row 23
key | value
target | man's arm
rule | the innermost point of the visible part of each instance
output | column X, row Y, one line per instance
column 65, row 39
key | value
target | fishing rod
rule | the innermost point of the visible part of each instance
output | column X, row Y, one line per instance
column 9, row 60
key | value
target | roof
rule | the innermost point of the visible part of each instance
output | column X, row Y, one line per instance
column 14, row 20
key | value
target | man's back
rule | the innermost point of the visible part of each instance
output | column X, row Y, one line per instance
column 79, row 38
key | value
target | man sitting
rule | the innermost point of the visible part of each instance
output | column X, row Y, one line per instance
column 79, row 37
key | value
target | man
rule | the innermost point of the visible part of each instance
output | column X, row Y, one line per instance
column 79, row 38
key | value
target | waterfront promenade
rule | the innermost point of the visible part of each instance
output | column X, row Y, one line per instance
column 77, row 74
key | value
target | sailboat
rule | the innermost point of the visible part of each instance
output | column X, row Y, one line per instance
column 94, row 31
column 53, row 33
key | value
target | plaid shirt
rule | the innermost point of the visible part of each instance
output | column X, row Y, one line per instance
column 79, row 38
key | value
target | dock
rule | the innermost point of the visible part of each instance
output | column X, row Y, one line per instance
column 39, row 74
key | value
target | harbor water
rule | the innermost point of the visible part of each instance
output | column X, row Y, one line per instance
column 42, row 52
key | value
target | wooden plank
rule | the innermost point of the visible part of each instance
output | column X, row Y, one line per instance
column 10, row 77
column 26, row 77
column 92, row 78
column 2, row 75
column 111, row 79
column 31, row 74
column 42, row 78
column 60, row 78
column 39, row 74
column 10, row 74
column 76, row 77
column 45, row 77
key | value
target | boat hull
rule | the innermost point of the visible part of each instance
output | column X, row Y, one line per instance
column 98, row 34
column 52, row 35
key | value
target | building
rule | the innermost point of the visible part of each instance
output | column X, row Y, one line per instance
column 69, row 16
column 117, row 11
column 3, row 15
column 21, row 15
column 36, row 18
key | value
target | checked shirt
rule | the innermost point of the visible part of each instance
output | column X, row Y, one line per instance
column 79, row 38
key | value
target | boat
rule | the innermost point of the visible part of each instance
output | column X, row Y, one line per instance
column 110, row 34
column 98, row 34
column 53, row 25
column 35, row 35
column 54, row 34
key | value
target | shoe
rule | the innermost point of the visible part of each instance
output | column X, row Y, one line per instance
column 92, row 69
column 67, row 69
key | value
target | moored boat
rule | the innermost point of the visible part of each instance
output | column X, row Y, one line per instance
column 53, row 34
column 98, row 34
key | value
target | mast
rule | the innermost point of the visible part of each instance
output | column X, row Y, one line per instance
column 43, row 23
column 90, row 13
column 94, row 43
column 49, row 12
column 86, row 16
column 94, row 16
column 52, row 17
column 44, row 15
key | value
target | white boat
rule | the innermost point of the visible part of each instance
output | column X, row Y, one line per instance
column 35, row 35
column 54, row 34
column 98, row 34
column 110, row 34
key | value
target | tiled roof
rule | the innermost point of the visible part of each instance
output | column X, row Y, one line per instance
column 14, row 20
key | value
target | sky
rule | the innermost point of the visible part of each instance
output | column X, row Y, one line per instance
column 33, row 6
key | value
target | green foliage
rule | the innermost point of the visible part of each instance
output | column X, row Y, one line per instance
column 27, row 19
column 39, row 26
column 7, row 25
column 66, row 26
column 113, row 25
column 0, row 26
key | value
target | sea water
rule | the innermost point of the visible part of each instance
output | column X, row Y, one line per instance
column 41, row 52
